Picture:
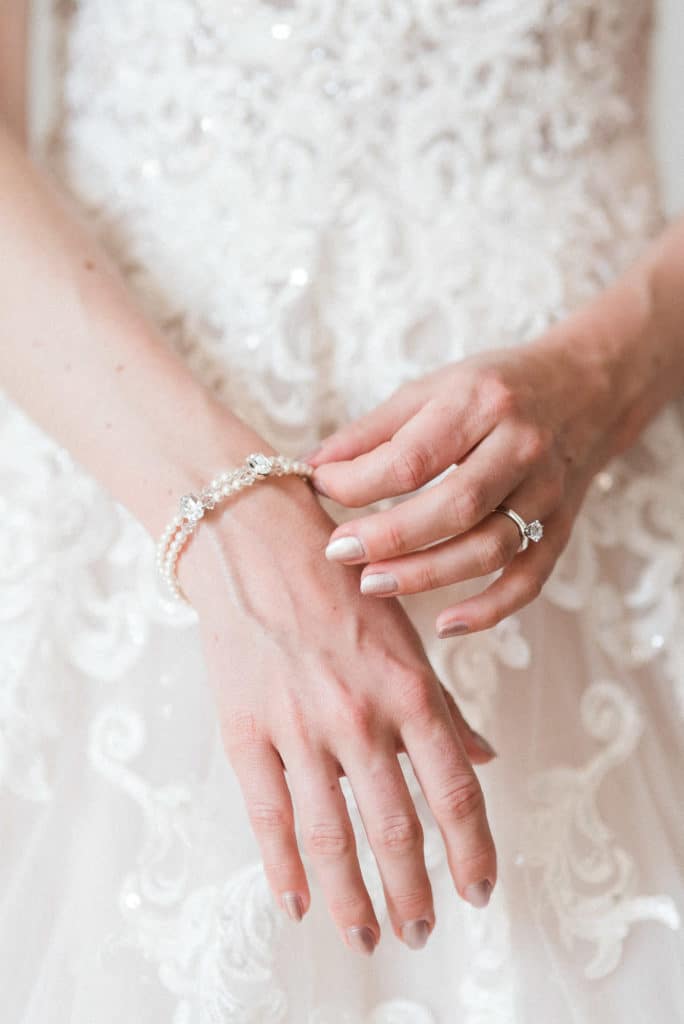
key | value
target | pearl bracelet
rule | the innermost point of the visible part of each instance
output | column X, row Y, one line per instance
column 256, row 466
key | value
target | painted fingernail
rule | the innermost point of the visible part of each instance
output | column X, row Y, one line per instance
column 482, row 743
column 361, row 939
column 344, row 548
column 292, row 902
column 415, row 933
column 379, row 583
column 478, row 893
column 318, row 486
column 452, row 629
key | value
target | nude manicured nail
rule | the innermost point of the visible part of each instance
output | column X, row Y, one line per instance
column 415, row 933
column 482, row 743
column 317, row 486
column 478, row 893
column 452, row 629
column 361, row 939
column 344, row 548
column 292, row 902
column 379, row 583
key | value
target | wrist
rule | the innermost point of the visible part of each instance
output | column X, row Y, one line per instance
column 627, row 364
column 182, row 445
column 262, row 525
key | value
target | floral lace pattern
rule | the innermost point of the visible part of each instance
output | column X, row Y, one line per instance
column 318, row 200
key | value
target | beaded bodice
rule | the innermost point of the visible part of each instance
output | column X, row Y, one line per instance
column 366, row 189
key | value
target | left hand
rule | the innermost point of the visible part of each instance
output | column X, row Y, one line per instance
column 528, row 427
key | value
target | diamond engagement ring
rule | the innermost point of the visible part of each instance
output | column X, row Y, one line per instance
column 528, row 531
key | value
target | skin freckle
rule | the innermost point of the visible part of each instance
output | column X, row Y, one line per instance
column 119, row 367
column 89, row 265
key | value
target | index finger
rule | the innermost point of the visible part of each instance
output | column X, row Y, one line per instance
column 454, row 795
column 432, row 440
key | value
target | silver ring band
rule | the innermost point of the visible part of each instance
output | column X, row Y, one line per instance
column 528, row 531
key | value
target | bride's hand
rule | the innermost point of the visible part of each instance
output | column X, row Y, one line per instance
column 528, row 427
column 313, row 681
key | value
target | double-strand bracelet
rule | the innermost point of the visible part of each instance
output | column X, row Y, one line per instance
column 256, row 466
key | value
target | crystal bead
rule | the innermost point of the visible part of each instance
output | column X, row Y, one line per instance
column 191, row 507
column 261, row 464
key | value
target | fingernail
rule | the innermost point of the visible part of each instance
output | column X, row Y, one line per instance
column 379, row 583
column 478, row 893
column 452, row 629
column 318, row 486
column 343, row 548
column 482, row 743
column 415, row 933
column 292, row 902
column 361, row 939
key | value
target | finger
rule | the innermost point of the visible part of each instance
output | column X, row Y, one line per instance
column 519, row 584
column 455, row 797
column 371, row 429
column 488, row 547
column 477, row 747
column 452, row 507
column 259, row 771
column 435, row 437
column 395, row 835
column 329, row 841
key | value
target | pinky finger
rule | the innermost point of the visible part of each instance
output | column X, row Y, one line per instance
column 518, row 585
column 478, row 749
column 269, row 806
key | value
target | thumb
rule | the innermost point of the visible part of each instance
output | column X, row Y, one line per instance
column 368, row 431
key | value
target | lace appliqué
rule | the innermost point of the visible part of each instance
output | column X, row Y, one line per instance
column 579, row 869
column 77, row 591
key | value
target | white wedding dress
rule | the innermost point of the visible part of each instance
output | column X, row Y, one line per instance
column 318, row 200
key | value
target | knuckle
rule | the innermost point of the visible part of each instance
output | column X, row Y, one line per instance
column 462, row 800
column 493, row 551
column 411, row 902
column 354, row 716
column 468, row 507
column 416, row 697
column 398, row 833
column 500, row 398
column 533, row 443
column 348, row 906
column 328, row 839
column 394, row 542
column 478, row 860
column 428, row 577
column 411, row 466
column 268, row 819
column 239, row 729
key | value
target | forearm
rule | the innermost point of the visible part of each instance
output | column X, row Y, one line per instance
column 630, row 339
column 83, row 361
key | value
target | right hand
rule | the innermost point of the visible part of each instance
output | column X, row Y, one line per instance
column 315, row 680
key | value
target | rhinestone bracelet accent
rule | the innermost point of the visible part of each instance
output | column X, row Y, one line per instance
column 256, row 466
